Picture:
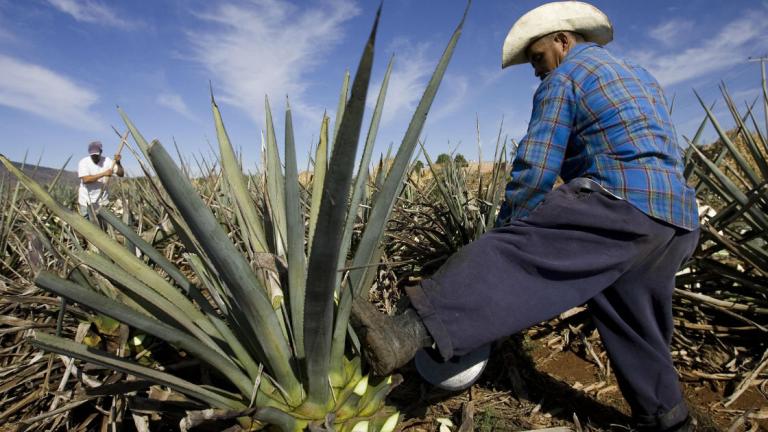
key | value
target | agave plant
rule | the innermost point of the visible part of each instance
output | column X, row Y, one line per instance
column 727, row 277
column 278, row 345
column 444, row 209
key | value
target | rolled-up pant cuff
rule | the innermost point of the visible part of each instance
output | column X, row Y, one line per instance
column 427, row 313
column 663, row 422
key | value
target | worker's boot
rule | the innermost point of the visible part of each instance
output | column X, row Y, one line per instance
column 388, row 342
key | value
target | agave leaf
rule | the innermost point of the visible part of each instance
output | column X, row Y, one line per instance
column 10, row 218
column 127, row 220
column 343, row 97
column 182, row 313
column 765, row 94
column 255, row 313
column 737, row 156
column 297, row 273
column 74, row 349
column 157, row 258
column 340, row 327
column 386, row 197
column 369, row 249
column 53, row 183
column 734, row 210
column 757, row 130
column 744, row 131
column 759, row 264
column 124, row 314
column 318, row 318
column 321, row 166
column 140, row 141
column 455, row 212
column 732, row 189
column 279, row 418
column 275, row 184
column 235, row 342
column 696, row 137
column 253, row 230
column 496, row 188
column 217, row 291
column 361, row 179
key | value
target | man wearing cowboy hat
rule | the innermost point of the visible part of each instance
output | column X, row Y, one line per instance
column 94, row 171
column 612, row 236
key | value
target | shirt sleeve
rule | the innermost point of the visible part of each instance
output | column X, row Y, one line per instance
column 82, row 169
column 541, row 152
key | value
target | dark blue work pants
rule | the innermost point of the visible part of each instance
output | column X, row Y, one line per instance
column 578, row 246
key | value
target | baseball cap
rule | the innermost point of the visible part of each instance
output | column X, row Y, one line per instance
column 94, row 147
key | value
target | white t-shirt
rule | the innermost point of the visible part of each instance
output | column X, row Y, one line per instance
column 89, row 192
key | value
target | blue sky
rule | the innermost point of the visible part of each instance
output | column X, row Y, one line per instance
column 66, row 64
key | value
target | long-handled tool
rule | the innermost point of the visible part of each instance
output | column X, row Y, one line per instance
column 123, row 139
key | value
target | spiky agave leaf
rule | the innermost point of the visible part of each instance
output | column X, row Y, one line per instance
column 297, row 272
column 340, row 327
column 318, row 319
column 370, row 242
column 318, row 178
column 255, row 313
column 233, row 173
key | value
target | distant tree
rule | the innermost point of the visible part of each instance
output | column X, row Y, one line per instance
column 418, row 166
column 443, row 158
column 460, row 160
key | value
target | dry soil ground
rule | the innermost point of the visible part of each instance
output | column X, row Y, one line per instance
column 530, row 386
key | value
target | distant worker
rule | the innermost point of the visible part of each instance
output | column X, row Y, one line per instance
column 94, row 171
column 612, row 236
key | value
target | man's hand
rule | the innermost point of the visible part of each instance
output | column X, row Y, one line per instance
column 119, row 171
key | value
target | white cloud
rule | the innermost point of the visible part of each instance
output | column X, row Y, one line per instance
column 268, row 47
column 732, row 45
column 489, row 77
column 37, row 90
column 410, row 74
column 454, row 95
column 669, row 31
column 174, row 102
column 92, row 11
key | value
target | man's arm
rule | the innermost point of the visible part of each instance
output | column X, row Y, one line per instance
column 540, row 154
column 95, row 177
column 82, row 172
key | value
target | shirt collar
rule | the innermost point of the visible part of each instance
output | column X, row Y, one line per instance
column 578, row 49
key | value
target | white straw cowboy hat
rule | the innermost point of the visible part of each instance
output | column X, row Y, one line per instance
column 575, row 16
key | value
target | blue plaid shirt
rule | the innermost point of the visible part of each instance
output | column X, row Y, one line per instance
column 604, row 118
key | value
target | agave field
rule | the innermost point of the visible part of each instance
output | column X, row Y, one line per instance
column 205, row 298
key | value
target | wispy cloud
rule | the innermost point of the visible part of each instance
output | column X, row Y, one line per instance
column 410, row 73
column 736, row 41
column 37, row 90
column 453, row 98
column 175, row 102
column 92, row 11
column 268, row 47
column 746, row 96
column 668, row 32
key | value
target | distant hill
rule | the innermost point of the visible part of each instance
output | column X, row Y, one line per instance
column 40, row 174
